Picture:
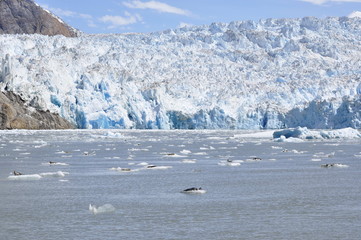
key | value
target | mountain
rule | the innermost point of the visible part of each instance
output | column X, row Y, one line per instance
column 26, row 17
column 274, row 73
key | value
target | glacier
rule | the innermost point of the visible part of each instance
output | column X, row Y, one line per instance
column 267, row 74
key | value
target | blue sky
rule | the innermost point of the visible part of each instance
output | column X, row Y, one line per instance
column 120, row 16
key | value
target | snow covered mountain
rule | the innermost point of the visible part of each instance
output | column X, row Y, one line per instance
column 273, row 73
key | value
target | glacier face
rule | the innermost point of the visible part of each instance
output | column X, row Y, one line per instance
column 273, row 73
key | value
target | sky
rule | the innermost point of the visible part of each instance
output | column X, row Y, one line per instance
column 123, row 16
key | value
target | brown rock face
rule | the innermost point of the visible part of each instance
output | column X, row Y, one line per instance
column 14, row 114
column 24, row 16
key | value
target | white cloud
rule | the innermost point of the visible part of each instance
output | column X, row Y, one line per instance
column 118, row 21
column 158, row 6
column 320, row 2
column 355, row 14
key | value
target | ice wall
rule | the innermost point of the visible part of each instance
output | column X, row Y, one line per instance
column 269, row 74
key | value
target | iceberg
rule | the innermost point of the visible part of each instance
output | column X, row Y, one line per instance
column 106, row 208
column 304, row 133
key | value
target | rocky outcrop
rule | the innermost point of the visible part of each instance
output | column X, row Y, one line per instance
column 14, row 114
column 26, row 17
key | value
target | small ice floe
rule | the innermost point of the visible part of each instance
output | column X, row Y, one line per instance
column 138, row 149
column 324, row 155
column 62, row 152
column 185, row 151
column 254, row 159
column 227, row 148
column 200, row 153
column 289, row 140
column 189, row 161
column 194, row 190
column 25, row 177
column 119, row 169
column 276, row 147
column 230, row 163
column 54, row 174
column 297, row 152
column 172, row 155
column 329, row 165
column 111, row 134
column 52, row 163
column 42, row 144
column 143, row 164
column 89, row 153
column 106, row 208
column 316, row 160
column 157, row 167
column 25, row 153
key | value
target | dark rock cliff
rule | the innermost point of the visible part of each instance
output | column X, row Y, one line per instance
column 15, row 114
column 26, row 17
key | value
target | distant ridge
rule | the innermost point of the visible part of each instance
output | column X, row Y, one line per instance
column 26, row 17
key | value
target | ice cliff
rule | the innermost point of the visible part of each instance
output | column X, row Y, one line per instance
column 273, row 73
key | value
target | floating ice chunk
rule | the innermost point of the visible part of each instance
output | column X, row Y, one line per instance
column 304, row 133
column 254, row 159
column 200, row 153
column 54, row 174
column 42, row 144
column 297, row 152
column 143, row 164
column 50, row 163
column 138, row 149
column 185, row 151
column 339, row 165
column 62, row 152
column 106, row 208
column 189, row 161
column 86, row 153
column 323, row 155
column 174, row 155
column 290, row 139
column 29, row 177
column 153, row 167
column 257, row 134
column 111, row 134
column 229, row 163
column 119, row 169
column 25, row 153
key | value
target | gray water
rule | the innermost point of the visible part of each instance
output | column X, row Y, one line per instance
column 286, row 195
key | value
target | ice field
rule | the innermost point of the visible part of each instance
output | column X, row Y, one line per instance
column 128, row 184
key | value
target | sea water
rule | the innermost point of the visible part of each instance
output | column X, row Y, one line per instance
column 256, row 188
